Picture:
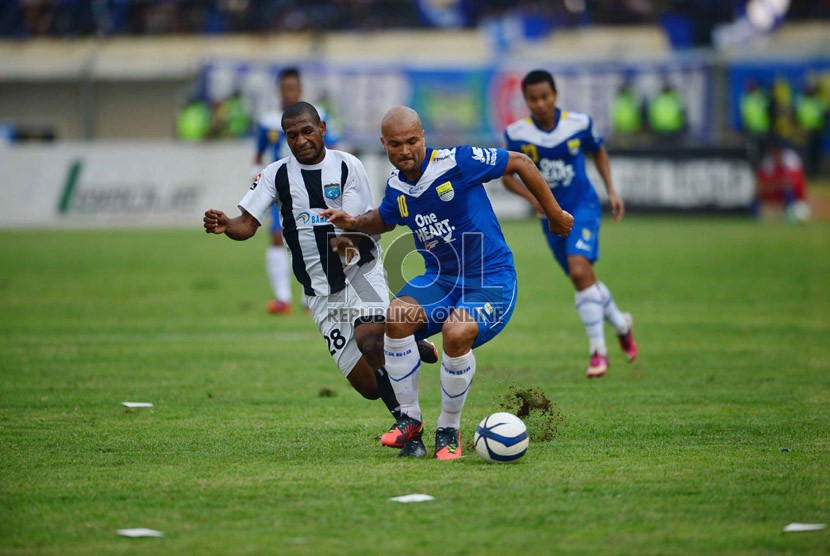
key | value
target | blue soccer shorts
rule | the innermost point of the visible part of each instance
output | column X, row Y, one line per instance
column 489, row 299
column 275, row 219
column 583, row 239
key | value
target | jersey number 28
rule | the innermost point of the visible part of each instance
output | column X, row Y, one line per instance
column 335, row 340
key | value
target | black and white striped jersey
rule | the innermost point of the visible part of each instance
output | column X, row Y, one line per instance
column 301, row 192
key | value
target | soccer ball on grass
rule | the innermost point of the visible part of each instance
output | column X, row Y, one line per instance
column 501, row 438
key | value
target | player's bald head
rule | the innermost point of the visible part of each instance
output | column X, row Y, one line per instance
column 402, row 137
column 398, row 119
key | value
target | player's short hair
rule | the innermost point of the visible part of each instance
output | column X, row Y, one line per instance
column 538, row 76
column 300, row 109
column 288, row 72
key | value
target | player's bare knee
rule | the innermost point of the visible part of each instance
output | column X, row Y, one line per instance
column 371, row 346
column 397, row 329
column 369, row 338
column 403, row 319
column 459, row 337
column 581, row 274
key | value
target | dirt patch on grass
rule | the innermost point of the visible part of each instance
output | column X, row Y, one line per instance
column 542, row 417
column 326, row 392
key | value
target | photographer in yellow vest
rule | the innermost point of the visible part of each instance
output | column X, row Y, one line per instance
column 756, row 119
column 811, row 119
column 666, row 113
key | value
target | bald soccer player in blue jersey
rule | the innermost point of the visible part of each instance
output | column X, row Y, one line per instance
column 468, row 291
column 556, row 141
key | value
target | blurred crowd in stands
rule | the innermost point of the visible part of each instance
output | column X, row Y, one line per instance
column 66, row 18
column 769, row 112
column 785, row 132
column 202, row 120
column 798, row 118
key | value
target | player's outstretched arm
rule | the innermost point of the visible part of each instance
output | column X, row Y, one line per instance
column 603, row 165
column 240, row 228
column 368, row 223
column 560, row 222
column 515, row 186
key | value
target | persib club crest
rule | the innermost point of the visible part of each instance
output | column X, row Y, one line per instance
column 331, row 191
column 586, row 234
column 573, row 146
column 445, row 191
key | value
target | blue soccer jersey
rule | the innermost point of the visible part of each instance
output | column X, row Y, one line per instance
column 447, row 209
column 559, row 155
column 269, row 136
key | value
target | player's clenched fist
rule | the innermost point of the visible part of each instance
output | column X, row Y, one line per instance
column 562, row 224
column 216, row 222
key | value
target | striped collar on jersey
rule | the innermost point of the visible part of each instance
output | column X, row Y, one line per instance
column 568, row 124
column 437, row 163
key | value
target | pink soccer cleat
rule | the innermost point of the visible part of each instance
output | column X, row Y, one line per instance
column 598, row 365
column 627, row 343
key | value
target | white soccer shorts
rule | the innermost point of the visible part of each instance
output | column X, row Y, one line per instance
column 366, row 295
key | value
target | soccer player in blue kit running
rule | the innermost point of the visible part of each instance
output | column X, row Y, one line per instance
column 468, row 291
column 556, row 141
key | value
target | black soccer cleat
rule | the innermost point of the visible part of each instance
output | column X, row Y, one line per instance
column 413, row 449
column 428, row 352
column 447, row 443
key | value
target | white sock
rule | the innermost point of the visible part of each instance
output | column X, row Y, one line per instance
column 403, row 365
column 276, row 266
column 612, row 313
column 589, row 306
column 456, row 376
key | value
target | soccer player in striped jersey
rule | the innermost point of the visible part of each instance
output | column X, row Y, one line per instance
column 469, row 289
column 271, row 139
column 556, row 141
column 348, row 302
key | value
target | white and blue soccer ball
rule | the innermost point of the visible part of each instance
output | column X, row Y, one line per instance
column 501, row 438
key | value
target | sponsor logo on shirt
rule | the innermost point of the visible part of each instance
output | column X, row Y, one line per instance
column 445, row 191
column 487, row 312
column 331, row 190
column 429, row 228
column 313, row 219
column 557, row 172
column 256, row 180
column 485, row 156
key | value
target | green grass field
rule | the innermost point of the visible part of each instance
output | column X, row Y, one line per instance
column 713, row 442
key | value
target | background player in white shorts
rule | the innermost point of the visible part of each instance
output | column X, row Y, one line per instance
column 348, row 303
